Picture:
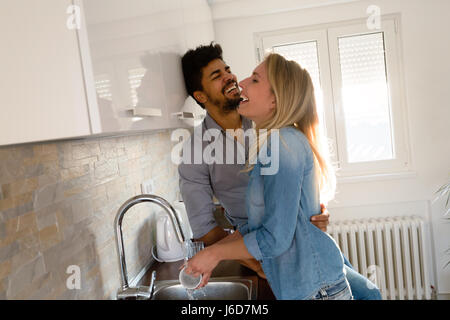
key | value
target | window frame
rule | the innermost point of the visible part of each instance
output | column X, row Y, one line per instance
column 327, row 37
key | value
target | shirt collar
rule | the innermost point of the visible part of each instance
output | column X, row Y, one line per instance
column 211, row 123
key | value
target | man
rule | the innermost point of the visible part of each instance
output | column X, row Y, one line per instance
column 212, row 84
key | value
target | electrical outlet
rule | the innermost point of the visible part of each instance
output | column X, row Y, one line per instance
column 147, row 186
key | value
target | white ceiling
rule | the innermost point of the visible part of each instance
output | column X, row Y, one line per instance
column 229, row 9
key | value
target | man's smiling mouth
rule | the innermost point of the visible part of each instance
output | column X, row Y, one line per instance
column 230, row 88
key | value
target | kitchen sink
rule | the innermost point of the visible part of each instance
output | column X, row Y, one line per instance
column 230, row 288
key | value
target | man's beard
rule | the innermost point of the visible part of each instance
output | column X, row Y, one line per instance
column 231, row 104
column 228, row 105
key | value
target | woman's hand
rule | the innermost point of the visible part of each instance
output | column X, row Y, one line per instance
column 229, row 248
column 203, row 263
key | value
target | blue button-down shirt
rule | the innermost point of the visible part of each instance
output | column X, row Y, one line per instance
column 297, row 257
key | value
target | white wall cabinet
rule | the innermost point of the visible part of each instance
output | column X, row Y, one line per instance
column 131, row 52
column 41, row 85
column 60, row 82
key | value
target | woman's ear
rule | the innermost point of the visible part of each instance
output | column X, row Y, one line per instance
column 274, row 103
column 200, row 96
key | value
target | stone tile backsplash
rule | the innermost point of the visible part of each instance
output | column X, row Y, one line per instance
column 58, row 201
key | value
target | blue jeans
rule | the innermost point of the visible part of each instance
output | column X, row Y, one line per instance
column 338, row 291
column 362, row 288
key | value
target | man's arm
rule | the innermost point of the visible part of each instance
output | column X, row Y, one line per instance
column 213, row 236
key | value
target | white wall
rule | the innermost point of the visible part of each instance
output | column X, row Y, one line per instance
column 426, row 51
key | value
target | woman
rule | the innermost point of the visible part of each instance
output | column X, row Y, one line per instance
column 299, row 260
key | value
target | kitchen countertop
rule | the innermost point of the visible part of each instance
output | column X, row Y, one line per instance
column 230, row 268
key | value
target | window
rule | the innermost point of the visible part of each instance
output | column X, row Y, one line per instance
column 356, row 76
column 365, row 98
column 134, row 80
column 306, row 52
column 103, row 87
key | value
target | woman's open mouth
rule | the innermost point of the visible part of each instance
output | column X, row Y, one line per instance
column 244, row 99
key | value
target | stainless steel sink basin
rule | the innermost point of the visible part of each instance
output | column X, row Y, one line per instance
column 216, row 289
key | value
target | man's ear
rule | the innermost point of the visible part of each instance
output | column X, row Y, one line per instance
column 200, row 96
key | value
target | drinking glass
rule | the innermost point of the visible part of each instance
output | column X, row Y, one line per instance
column 191, row 248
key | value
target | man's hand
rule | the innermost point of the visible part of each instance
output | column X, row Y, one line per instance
column 322, row 220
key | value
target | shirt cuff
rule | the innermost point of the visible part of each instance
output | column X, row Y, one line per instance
column 243, row 229
column 252, row 245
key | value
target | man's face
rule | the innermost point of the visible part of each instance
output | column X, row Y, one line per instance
column 220, row 87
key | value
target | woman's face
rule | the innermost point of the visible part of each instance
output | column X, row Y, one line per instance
column 259, row 99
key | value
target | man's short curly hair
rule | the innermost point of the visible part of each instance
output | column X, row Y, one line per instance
column 193, row 63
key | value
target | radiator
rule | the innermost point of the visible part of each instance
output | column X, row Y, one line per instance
column 391, row 252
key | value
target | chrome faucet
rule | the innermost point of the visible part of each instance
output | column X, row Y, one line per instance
column 142, row 291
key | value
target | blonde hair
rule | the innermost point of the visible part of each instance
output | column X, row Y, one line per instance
column 296, row 106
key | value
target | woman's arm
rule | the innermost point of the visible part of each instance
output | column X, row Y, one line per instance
column 231, row 247
column 230, row 237
column 251, row 263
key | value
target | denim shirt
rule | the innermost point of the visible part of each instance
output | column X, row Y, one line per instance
column 297, row 257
